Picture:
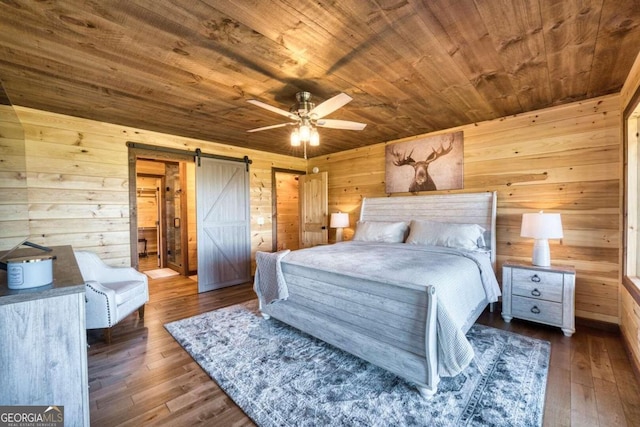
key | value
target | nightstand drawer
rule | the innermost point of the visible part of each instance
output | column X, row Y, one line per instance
column 536, row 310
column 537, row 284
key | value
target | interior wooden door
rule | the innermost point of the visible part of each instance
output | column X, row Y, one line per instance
column 224, row 247
column 314, row 206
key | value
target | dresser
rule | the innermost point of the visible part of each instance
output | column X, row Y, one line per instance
column 539, row 294
column 43, row 343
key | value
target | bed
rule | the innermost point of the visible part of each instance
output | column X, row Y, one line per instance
column 394, row 297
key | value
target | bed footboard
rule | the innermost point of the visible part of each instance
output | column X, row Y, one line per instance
column 393, row 327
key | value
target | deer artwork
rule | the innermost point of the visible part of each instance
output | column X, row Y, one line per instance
column 422, row 181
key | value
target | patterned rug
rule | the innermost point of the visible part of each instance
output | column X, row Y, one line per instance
column 282, row 377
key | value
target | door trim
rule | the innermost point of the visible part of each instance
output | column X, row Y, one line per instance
column 135, row 154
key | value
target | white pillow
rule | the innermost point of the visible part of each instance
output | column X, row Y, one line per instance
column 452, row 235
column 380, row 231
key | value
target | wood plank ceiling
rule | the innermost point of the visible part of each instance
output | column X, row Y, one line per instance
column 412, row 66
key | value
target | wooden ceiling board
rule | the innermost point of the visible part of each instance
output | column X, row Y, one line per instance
column 464, row 33
column 516, row 32
column 417, row 73
column 618, row 36
column 299, row 74
column 362, row 79
column 570, row 37
column 411, row 66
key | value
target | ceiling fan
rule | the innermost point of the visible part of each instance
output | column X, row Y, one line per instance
column 306, row 117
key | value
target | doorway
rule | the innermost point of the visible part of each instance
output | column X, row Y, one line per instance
column 213, row 204
column 286, row 209
column 163, row 204
column 149, row 231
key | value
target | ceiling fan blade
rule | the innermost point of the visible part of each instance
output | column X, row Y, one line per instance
column 330, row 105
column 271, row 127
column 272, row 108
column 340, row 124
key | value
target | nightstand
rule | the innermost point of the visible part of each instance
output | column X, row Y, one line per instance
column 540, row 294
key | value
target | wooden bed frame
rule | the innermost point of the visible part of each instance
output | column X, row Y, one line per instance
column 316, row 304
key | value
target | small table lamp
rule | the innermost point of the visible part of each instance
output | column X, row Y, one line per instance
column 339, row 221
column 541, row 226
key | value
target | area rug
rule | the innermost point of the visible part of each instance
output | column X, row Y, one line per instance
column 282, row 377
column 161, row 273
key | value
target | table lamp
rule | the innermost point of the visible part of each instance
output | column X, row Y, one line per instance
column 541, row 226
column 339, row 220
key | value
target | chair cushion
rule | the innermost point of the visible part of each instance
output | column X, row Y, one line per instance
column 127, row 290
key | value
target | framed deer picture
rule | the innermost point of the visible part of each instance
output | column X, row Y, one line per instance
column 425, row 164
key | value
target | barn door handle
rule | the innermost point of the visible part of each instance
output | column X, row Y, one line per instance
column 536, row 292
column 535, row 278
column 324, row 227
column 535, row 309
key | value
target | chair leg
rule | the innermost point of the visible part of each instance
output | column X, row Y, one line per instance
column 107, row 335
column 141, row 312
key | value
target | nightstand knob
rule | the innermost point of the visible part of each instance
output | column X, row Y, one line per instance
column 535, row 309
column 535, row 278
column 536, row 293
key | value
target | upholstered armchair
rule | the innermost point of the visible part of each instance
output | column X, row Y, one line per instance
column 112, row 293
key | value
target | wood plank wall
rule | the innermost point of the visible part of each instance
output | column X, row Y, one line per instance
column 14, row 207
column 564, row 159
column 77, row 182
column 629, row 307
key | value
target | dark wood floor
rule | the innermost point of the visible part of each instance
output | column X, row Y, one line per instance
column 145, row 378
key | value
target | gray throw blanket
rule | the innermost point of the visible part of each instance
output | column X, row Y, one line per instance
column 269, row 281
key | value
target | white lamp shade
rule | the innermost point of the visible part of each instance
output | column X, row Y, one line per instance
column 295, row 138
column 315, row 138
column 339, row 220
column 541, row 226
column 305, row 132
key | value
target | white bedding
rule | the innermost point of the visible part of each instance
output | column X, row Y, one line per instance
column 464, row 280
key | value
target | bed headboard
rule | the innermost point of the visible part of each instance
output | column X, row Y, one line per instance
column 465, row 208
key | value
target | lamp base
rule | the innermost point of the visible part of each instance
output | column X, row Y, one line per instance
column 541, row 253
column 339, row 234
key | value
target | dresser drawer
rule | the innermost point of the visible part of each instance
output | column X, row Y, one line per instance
column 537, row 284
column 537, row 310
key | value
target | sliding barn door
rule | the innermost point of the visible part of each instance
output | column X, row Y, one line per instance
column 224, row 248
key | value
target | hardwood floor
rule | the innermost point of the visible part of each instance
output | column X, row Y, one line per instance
column 145, row 377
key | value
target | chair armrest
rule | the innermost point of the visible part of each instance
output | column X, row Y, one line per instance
column 101, row 305
column 121, row 274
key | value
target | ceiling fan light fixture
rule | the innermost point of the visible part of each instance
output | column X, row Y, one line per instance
column 314, row 140
column 305, row 132
column 295, row 138
column 305, row 116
